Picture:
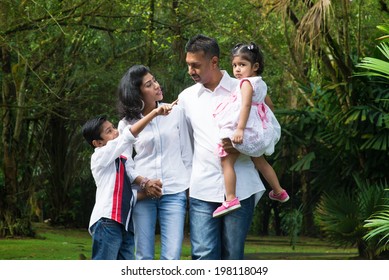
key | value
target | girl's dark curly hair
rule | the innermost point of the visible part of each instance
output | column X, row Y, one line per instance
column 250, row 52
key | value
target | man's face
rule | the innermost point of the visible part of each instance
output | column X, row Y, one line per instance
column 200, row 68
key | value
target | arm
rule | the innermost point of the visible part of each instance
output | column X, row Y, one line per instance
column 269, row 102
column 137, row 127
column 107, row 154
column 185, row 141
column 151, row 188
column 247, row 94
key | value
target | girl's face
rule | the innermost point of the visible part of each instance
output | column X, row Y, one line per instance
column 243, row 68
column 151, row 90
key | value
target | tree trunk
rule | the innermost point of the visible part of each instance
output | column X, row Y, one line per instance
column 308, row 227
column 11, row 217
column 178, row 45
column 8, row 209
column 150, row 32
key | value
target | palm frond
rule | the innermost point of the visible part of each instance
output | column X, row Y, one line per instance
column 341, row 214
column 384, row 48
column 337, row 215
column 378, row 225
column 378, row 66
column 379, row 142
column 375, row 64
column 304, row 163
column 384, row 28
column 312, row 23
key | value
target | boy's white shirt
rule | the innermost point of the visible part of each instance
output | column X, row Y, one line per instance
column 104, row 172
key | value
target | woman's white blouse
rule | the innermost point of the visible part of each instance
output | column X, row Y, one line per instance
column 163, row 150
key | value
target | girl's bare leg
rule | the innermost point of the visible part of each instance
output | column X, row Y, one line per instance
column 268, row 172
column 227, row 163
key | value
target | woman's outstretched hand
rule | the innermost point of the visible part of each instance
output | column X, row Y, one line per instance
column 166, row 109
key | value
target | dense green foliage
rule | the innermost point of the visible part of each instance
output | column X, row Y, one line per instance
column 377, row 225
column 61, row 62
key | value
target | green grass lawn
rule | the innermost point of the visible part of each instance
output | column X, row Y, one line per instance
column 73, row 244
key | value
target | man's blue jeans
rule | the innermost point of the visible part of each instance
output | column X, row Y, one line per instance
column 219, row 238
column 110, row 241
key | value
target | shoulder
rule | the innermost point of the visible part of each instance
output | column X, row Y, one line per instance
column 246, row 82
column 188, row 96
column 253, row 80
column 228, row 82
column 258, row 83
column 122, row 124
column 189, row 91
column 177, row 110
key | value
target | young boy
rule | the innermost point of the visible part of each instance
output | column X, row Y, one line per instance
column 110, row 224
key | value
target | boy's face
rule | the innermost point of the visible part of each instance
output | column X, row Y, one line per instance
column 108, row 132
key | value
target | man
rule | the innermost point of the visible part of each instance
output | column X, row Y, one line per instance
column 214, row 238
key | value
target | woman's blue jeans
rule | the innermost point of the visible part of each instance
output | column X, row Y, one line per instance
column 219, row 238
column 170, row 210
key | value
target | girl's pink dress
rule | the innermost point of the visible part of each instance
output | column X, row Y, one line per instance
column 262, row 130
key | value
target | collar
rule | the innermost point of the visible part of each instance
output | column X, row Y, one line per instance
column 226, row 82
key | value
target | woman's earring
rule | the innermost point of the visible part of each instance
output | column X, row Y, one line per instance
column 143, row 105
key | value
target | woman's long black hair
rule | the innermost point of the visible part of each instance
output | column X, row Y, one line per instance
column 130, row 103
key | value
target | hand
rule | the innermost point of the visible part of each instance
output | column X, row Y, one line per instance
column 175, row 102
column 153, row 188
column 237, row 138
column 227, row 146
column 166, row 109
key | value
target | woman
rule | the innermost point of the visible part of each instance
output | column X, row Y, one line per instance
column 163, row 150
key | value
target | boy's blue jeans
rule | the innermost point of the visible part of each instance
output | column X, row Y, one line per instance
column 110, row 241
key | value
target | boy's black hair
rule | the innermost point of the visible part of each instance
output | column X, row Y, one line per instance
column 91, row 130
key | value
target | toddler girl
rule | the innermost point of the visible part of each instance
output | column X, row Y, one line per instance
column 249, row 123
